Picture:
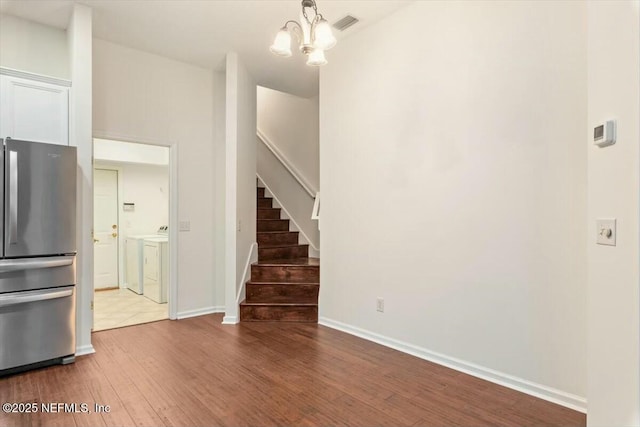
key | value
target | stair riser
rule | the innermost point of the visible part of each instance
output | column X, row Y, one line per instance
column 281, row 291
column 288, row 238
column 279, row 313
column 300, row 251
column 273, row 225
column 289, row 293
column 290, row 274
column 268, row 213
column 265, row 203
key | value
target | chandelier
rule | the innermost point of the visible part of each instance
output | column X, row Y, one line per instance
column 314, row 36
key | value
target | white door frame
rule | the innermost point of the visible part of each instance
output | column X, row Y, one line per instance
column 173, row 210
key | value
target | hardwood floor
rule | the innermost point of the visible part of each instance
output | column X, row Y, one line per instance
column 198, row 372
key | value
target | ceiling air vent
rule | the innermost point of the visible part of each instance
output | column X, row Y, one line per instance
column 345, row 23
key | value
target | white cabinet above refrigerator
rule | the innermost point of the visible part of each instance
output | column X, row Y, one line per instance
column 34, row 110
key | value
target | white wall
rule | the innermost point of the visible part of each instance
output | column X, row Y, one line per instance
column 614, row 174
column 80, row 125
column 32, row 47
column 147, row 98
column 240, row 201
column 287, row 146
column 246, row 173
column 298, row 204
column 291, row 123
column 120, row 151
column 219, row 188
column 453, row 176
column 148, row 187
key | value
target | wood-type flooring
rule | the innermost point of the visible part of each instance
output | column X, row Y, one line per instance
column 198, row 372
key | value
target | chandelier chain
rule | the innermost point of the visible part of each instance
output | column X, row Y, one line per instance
column 315, row 11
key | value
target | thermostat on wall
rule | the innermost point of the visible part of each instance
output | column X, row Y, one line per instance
column 605, row 134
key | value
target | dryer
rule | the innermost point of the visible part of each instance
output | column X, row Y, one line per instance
column 134, row 259
column 155, row 269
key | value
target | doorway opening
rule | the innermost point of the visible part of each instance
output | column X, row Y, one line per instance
column 131, row 239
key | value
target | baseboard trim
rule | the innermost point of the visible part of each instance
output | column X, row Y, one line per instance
column 200, row 312
column 85, row 349
column 230, row 320
column 550, row 394
column 111, row 288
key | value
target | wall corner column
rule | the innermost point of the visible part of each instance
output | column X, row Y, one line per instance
column 80, row 40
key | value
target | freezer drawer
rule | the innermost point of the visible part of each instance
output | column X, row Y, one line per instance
column 40, row 199
column 26, row 274
column 36, row 326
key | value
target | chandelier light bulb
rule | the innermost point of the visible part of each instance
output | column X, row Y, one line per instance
column 313, row 33
column 316, row 58
column 282, row 43
column 324, row 38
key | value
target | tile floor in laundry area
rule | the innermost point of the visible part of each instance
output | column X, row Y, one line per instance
column 121, row 307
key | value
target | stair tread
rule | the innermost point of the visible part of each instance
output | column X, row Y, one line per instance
column 312, row 262
column 283, row 289
column 279, row 304
column 254, row 282
column 282, row 245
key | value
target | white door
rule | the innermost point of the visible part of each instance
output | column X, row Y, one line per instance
column 105, row 228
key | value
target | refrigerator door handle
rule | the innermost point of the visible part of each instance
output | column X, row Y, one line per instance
column 34, row 263
column 32, row 296
column 13, row 197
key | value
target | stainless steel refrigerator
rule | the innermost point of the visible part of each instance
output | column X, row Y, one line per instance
column 38, row 254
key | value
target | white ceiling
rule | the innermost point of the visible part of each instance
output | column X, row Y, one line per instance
column 201, row 32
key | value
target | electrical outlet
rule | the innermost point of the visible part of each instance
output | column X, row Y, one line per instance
column 380, row 305
column 184, row 225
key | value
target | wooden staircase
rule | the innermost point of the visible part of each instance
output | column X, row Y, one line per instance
column 284, row 282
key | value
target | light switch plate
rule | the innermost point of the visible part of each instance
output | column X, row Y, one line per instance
column 184, row 226
column 606, row 231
